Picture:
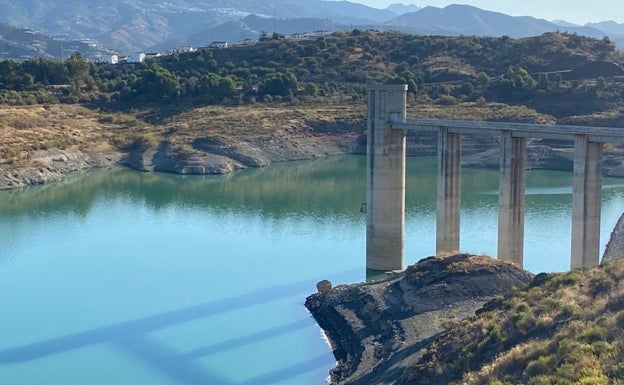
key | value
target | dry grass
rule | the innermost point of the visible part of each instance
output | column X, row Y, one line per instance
column 26, row 129
column 256, row 121
column 476, row 111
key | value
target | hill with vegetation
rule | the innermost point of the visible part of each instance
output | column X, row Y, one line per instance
column 550, row 78
column 559, row 329
column 534, row 72
column 564, row 329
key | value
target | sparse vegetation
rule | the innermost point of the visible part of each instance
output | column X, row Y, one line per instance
column 564, row 329
column 444, row 70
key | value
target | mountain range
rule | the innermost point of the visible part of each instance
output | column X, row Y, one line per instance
column 141, row 25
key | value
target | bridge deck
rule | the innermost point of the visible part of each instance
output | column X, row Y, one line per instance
column 518, row 130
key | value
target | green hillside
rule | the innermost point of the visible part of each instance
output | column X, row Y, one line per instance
column 562, row 75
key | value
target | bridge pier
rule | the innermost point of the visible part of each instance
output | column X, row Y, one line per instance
column 586, row 199
column 385, row 201
column 449, row 192
column 511, row 200
column 385, row 221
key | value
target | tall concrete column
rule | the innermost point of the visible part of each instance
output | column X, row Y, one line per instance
column 385, row 211
column 586, row 190
column 511, row 199
column 449, row 192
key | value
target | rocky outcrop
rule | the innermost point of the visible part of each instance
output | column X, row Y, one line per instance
column 214, row 155
column 378, row 329
column 217, row 155
column 46, row 166
column 615, row 248
column 167, row 157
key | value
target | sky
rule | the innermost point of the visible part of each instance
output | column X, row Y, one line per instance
column 575, row 11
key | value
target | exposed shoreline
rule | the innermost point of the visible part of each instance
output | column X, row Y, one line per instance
column 378, row 329
column 214, row 156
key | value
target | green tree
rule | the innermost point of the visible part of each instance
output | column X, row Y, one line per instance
column 158, row 83
column 280, row 84
column 77, row 72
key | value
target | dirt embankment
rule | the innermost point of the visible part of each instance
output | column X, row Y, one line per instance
column 377, row 330
column 41, row 144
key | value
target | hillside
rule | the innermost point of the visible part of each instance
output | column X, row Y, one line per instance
column 170, row 113
column 375, row 329
column 564, row 329
column 414, row 329
column 564, row 75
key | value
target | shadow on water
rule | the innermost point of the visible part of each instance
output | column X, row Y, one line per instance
column 246, row 340
column 289, row 372
column 132, row 337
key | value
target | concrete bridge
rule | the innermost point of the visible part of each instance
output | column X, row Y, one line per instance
column 385, row 228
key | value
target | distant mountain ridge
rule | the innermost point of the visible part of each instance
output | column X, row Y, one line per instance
column 400, row 9
column 468, row 20
column 22, row 43
column 127, row 26
column 140, row 24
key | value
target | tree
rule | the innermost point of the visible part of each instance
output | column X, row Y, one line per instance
column 77, row 72
column 158, row 83
column 281, row 84
column 543, row 83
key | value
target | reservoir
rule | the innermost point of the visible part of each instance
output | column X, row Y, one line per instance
column 122, row 277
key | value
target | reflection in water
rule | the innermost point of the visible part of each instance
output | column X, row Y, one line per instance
column 332, row 186
column 324, row 192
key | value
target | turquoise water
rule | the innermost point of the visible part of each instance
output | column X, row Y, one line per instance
column 132, row 278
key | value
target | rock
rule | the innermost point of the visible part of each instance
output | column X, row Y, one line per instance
column 615, row 247
column 46, row 166
column 377, row 330
column 324, row 286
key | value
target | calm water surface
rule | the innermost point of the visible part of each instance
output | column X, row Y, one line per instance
column 118, row 277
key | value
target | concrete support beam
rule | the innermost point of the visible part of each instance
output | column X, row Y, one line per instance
column 385, row 209
column 449, row 192
column 511, row 199
column 586, row 189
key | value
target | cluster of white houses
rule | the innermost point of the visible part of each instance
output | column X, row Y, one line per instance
column 140, row 57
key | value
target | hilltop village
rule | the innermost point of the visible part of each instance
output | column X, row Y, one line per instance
column 139, row 57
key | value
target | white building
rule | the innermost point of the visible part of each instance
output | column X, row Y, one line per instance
column 184, row 49
column 320, row 33
column 218, row 44
column 299, row 36
column 246, row 42
column 135, row 58
column 109, row 59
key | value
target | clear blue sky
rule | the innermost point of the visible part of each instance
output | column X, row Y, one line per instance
column 576, row 11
